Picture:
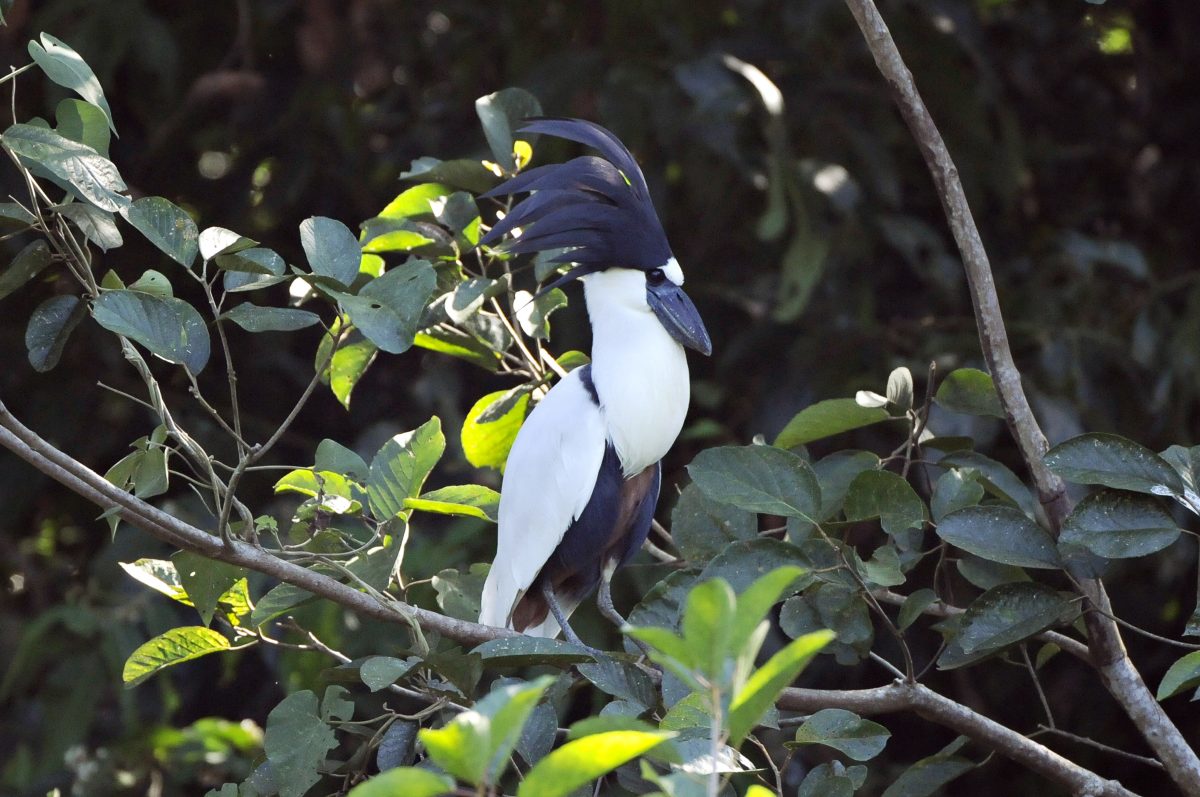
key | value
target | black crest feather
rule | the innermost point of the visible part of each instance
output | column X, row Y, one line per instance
column 598, row 206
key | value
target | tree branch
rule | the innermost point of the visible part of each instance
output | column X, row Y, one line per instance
column 902, row 696
column 81, row 479
column 1104, row 639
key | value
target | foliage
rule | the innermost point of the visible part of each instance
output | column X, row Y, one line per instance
column 868, row 515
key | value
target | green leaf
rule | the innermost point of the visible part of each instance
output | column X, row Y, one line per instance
column 68, row 69
column 888, row 496
column 249, row 267
column 406, row 781
column 845, row 731
column 415, row 201
column 49, row 328
column 332, row 250
column 167, row 226
column 501, row 114
column 296, row 743
column 969, row 391
column 955, row 489
column 14, row 218
column 476, row 744
column 997, row 479
column 1182, row 675
column 914, row 606
column 708, row 625
column 837, row 608
column 205, row 580
column 763, row 687
column 458, row 594
column 96, row 225
column 830, row 779
column 154, row 283
column 471, row 500
column 83, row 122
column 1119, row 526
column 1010, row 613
column 524, row 651
column 759, row 479
column 395, row 240
column 400, row 467
column 350, row 362
column 158, row 574
column 89, row 173
column 835, row 474
column 755, row 602
column 279, row 599
column 388, row 309
column 583, row 760
column 534, row 314
column 622, row 681
column 1000, row 534
column 169, row 328
column 379, row 672
column 174, row 647
column 1113, row 461
column 28, row 263
column 466, row 299
column 702, row 527
column 335, row 457
column 336, row 705
column 927, row 776
column 827, row 418
column 253, row 318
column 456, row 343
column 469, row 175
column 488, row 435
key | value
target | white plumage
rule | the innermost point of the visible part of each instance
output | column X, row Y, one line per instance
column 548, row 480
column 641, row 376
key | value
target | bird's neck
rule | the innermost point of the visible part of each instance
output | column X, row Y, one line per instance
column 641, row 378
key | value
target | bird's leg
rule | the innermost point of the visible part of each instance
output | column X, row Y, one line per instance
column 604, row 602
column 561, row 617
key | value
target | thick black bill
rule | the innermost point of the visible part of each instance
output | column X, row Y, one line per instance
column 679, row 316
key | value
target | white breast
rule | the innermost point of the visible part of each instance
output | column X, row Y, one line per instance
column 640, row 372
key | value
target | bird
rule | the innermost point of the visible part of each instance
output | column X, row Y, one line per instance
column 582, row 478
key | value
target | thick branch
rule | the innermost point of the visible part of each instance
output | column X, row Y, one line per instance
column 1104, row 640
column 81, row 479
column 901, row 696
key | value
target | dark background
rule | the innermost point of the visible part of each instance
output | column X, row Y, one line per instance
column 1075, row 129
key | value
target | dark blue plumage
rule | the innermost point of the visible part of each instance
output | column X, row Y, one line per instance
column 599, row 208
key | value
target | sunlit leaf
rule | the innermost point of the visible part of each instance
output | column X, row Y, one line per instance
column 174, row 647
column 167, row 226
column 827, row 418
column 583, row 760
column 68, row 69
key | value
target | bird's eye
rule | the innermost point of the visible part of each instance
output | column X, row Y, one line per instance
column 656, row 277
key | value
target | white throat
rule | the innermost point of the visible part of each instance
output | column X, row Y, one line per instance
column 639, row 370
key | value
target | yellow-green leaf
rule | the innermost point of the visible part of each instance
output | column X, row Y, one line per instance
column 174, row 647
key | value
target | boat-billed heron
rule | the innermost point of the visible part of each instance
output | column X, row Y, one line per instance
column 582, row 478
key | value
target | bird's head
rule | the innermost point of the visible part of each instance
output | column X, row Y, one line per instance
column 598, row 209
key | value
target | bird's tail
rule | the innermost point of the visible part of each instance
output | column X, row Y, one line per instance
column 500, row 596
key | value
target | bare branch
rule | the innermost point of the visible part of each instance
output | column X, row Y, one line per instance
column 81, row 479
column 902, row 696
column 1104, row 639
